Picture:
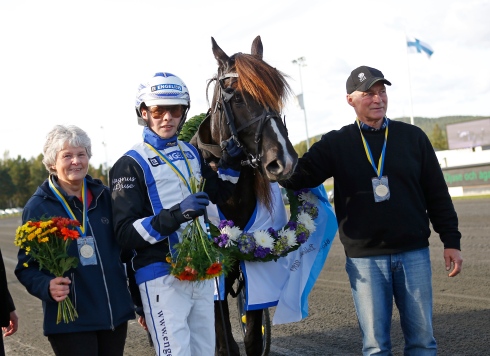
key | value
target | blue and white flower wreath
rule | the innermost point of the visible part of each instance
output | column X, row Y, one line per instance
column 268, row 245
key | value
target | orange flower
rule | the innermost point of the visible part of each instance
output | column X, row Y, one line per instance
column 190, row 270
column 186, row 276
column 69, row 234
column 214, row 269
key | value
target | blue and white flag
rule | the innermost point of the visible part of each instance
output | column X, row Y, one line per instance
column 287, row 282
column 305, row 264
column 415, row 45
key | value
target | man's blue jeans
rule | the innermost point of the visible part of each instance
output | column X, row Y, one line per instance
column 405, row 277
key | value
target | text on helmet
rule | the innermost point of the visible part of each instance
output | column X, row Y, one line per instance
column 166, row 86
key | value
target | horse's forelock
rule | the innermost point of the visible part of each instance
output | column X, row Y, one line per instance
column 266, row 84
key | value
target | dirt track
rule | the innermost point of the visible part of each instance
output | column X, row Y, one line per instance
column 461, row 304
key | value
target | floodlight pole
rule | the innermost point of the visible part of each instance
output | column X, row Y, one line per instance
column 104, row 143
column 301, row 63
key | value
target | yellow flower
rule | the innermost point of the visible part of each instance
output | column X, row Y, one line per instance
column 25, row 264
column 45, row 224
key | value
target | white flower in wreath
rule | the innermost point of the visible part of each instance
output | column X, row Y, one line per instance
column 309, row 197
column 263, row 239
column 290, row 236
column 307, row 221
column 233, row 234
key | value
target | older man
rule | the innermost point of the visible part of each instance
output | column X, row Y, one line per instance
column 388, row 187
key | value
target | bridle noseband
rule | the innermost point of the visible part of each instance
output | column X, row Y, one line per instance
column 223, row 104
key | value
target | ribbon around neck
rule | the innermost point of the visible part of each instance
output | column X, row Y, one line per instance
column 82, row 228
column 379, row 169
column 173, row 166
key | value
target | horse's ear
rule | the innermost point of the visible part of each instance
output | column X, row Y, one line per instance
column 221, row 57
column 257, row 48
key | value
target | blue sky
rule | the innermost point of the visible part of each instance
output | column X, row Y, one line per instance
column 80, row 63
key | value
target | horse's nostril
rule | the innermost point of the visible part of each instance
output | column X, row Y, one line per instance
column 275, row 167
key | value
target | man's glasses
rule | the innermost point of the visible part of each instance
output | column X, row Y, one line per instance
column 159, row 111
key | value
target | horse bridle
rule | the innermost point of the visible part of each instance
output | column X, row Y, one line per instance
column 225, row 95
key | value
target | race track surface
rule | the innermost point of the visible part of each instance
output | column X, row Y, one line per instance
column 461, row 304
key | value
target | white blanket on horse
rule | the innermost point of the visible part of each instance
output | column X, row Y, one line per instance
column 287, row 282
column 260, row 220
column 306, row 263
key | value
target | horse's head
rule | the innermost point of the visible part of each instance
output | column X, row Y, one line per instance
column 247, row 102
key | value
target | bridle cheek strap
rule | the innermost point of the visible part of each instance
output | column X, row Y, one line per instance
column 266, row 115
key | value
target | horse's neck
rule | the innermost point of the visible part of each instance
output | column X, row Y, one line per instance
column 241, row 205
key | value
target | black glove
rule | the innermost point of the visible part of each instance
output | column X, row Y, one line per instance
column 231, row 155
column 192, row 207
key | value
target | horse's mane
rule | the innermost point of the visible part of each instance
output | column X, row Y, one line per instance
column 266, row 84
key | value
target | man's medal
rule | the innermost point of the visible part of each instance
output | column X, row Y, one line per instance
column 381, row 189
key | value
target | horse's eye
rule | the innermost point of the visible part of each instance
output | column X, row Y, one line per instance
column 238, row 98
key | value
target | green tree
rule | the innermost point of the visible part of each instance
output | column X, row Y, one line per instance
column 7, row 187
column 99, row 173
column 300, row 148
column 438, row 138
column 20, row 174
column 38, row 173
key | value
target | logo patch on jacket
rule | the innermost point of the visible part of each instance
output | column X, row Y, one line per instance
column 155, row 161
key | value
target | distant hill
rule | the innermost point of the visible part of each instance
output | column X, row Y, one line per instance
column 427, row 125
column 435, row 129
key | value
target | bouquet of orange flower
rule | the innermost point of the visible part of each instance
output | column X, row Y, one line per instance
column 197, row 258
column 47, row 241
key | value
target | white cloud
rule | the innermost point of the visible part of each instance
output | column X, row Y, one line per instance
column 81, row 63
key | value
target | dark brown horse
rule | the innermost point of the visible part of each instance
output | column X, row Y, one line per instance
column 248, row 98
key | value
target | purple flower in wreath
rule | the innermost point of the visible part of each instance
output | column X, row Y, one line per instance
column 301, row 191
column 291, row 225
column 225, row 223
column 273, row 233
column 309, row 208
column 221, row 240
column 261, row 252
column 301, row 238
column 246, row 243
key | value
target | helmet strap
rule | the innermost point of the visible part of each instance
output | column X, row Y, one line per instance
column 182, row 119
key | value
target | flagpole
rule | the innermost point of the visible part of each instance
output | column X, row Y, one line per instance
column 301, row 63
column 409, row 84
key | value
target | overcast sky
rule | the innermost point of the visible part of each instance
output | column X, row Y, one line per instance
column 65, row 62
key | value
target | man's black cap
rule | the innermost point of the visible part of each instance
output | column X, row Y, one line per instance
column 362, row 78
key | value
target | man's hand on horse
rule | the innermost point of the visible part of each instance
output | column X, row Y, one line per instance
column 231, row 155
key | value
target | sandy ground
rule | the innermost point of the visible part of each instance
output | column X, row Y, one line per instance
column 461, row 304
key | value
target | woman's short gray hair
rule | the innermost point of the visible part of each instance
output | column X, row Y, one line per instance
column 56, row 140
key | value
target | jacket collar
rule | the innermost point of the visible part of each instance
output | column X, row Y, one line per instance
column 95, row 186
column 158, row 142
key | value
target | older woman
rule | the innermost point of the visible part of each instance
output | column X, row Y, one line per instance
column 98, row 285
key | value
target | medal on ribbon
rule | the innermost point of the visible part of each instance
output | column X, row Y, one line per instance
column 381, row 189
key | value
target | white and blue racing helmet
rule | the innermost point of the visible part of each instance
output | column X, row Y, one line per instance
column 162, row 89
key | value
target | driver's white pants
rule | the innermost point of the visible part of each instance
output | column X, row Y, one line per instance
column 180, row 316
